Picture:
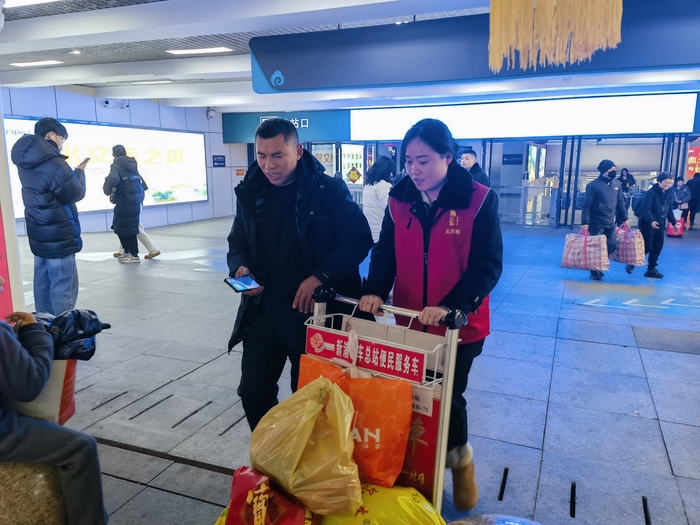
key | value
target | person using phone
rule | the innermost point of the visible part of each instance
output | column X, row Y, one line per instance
column 123, row 185
column 50, row 191
column 295, row 229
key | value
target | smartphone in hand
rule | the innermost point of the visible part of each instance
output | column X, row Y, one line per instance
column 242, row 283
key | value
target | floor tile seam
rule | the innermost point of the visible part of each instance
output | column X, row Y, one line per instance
column 180, row 460
column 160, row 489
column 690, row 425
column 588, row 409
column 182, row 358
column 507, row 394
column 634, row 347
column 598, row 371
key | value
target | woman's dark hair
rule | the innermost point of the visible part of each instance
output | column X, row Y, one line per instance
column 679, row 179
column 625, row 170
column 435, row 134
column 382, row 169
column 663, row 176
column 118, row 151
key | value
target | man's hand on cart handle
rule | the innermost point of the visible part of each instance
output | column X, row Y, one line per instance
column 303, row 300
column 242, row 270
column 432, row 315
column 371, row 303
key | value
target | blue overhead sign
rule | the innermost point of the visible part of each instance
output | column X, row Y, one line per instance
column 312, row 126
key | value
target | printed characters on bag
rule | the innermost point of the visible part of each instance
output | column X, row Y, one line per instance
column 363, row 437
column 417, row 476
column 415, row 434
column 258, row 499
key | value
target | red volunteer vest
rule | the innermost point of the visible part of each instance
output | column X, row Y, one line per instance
column 447, row 259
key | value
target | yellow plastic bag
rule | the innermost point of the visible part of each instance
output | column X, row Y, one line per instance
column 222, row 517
column 305, row 444
column 397, row 505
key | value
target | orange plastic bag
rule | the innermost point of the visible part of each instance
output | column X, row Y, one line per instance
column 312, row 367
column 382, row 423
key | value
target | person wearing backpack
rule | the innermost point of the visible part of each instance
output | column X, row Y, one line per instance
column 125, row 190
column 654, row 210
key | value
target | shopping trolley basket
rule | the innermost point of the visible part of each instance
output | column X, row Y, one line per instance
column 427, row 361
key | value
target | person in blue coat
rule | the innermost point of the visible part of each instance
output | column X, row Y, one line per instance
column 50, row 189
column 26, row 357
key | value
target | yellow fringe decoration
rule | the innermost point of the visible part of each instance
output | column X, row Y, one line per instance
column 551, row 32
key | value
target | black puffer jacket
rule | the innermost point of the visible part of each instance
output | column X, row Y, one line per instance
column 604, row 203
column 656, row 206
column 334, row 233
column 479, row 175
column 50, row 189
column 125, row 180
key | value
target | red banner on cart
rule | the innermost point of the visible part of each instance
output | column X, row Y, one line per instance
column 403, row 363
column 693, row 162
column 419, row 466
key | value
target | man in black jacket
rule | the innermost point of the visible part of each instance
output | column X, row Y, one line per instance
column 603, row 208
column 655, row 209
column 295, row 229
column 469, row 163
column 50, row 189
column 694, row 203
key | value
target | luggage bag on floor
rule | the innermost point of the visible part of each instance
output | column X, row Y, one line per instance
column 671, row 230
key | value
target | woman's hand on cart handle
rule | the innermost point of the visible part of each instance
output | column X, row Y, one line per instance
column 242, row 270
column 371, row 303
column 433, row 315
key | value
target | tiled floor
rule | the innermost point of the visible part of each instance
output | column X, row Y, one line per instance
column 588, row 383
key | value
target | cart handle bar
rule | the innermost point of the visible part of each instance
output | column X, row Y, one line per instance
column 454, row 319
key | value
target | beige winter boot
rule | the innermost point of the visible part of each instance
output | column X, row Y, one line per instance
column 466, row 492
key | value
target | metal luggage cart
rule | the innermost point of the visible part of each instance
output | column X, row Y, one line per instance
column 398, row 352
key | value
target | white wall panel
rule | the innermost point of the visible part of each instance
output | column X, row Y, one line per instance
column 216, row 125
column 75, row 106
column 172, row 118
column 113, row 114
column 222, row 192
column 203, row 210
column 154, row 216
column 33, row 102
column 95, row 222
column 217, row 147
column 179, row 213
column 197, row 119
column 144, row 113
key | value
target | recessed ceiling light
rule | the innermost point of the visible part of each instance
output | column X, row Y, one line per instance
column 22, row 3
column 153, row 82
column 74, row 52
column 35, row 64
column 202, row 51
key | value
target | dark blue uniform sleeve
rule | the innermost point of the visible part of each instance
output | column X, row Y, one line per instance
column 25, row 361
column 382, row 267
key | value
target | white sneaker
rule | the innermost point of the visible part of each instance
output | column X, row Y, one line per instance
column 129, row 259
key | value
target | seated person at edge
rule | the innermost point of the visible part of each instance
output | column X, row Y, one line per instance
column 26, row 357
column 295, row 229
column 441, row 228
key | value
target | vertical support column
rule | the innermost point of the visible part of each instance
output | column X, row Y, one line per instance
column 12, row 298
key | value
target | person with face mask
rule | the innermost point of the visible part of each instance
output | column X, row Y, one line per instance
column 604, row 208
column 50, row 189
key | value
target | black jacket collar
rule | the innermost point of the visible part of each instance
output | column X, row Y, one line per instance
column 456, row 194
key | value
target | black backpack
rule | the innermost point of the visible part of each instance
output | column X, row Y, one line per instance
column 637, row 206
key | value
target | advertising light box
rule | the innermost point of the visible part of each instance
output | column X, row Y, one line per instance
column 171, row 162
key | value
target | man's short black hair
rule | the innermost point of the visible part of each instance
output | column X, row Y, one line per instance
column 49, row 124
column 469, row 151
column 272, row 127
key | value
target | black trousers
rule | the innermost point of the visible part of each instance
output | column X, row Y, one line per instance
column 653, row 242
column 693, row 205
column 277, row 333
column 129, row 243
column 458, row 432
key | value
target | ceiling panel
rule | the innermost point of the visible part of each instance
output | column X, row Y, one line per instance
column 66, row 7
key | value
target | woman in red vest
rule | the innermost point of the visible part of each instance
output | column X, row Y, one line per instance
column 441, row 249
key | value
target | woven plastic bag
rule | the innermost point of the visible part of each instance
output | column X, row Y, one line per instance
column 583, row 251
column 630, row 247
column 397, row 506
column 305, row 444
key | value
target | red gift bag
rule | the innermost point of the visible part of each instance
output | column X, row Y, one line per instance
column 671, row 229
column 258, row 500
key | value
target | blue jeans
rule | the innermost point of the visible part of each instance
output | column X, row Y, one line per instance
column 55, row 284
